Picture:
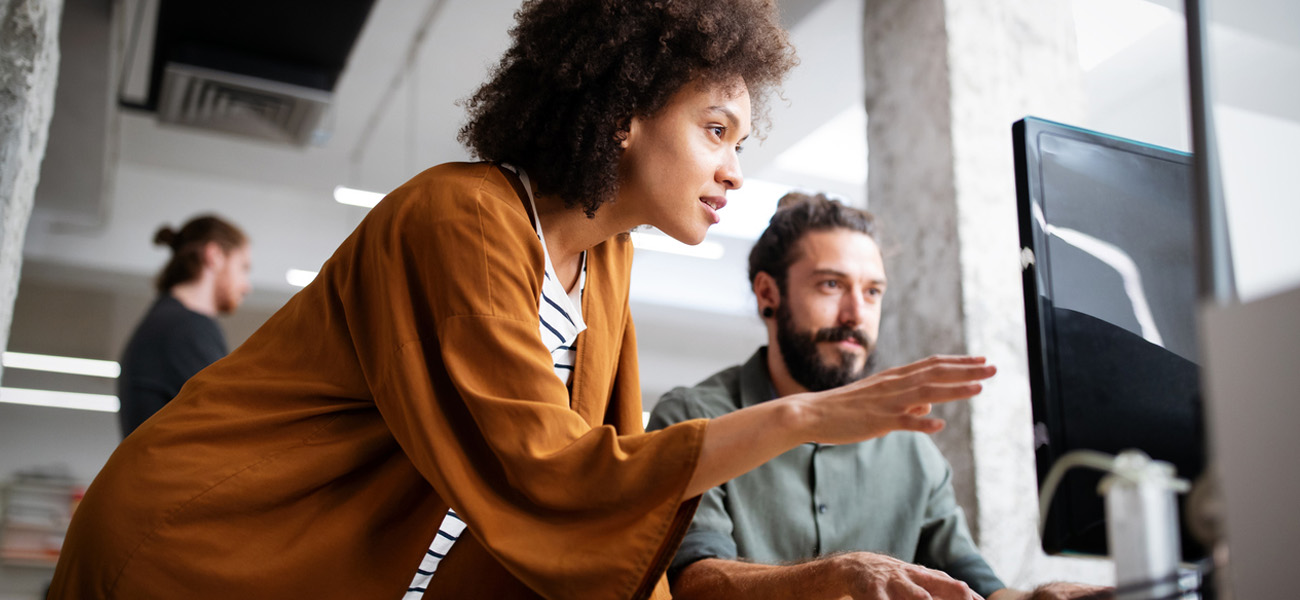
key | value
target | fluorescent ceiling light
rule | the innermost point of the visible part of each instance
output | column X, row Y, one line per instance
column 663, row 243
column 97, row 402
column 62, row 364
column 355, row 197
column 1104, row 28
column 299, row 277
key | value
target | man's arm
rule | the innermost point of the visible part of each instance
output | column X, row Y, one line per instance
column 856, row 575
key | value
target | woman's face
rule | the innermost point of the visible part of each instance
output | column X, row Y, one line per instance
column 678, row 164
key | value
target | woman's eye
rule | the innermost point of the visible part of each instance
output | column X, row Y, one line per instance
column 739, row 148
column 718, row 130
column 830, row 284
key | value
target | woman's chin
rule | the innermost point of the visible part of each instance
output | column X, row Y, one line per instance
column 691, row 236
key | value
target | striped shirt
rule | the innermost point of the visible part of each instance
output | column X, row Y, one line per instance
column 559, row 323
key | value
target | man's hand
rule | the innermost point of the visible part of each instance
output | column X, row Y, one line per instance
column 855, row 576
column 1057, row 591
column 1072, row 591
column 869, row 576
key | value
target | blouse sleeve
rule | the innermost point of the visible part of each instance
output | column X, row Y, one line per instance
column 439, row 289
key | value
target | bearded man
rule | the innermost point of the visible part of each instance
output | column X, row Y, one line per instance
column 871, row 520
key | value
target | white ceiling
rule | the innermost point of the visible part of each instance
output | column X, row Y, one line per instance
column 394, row 114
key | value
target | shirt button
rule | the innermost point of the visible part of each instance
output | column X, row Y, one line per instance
column 822, row 508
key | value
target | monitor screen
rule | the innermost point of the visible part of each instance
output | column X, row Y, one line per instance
column 1107, row 230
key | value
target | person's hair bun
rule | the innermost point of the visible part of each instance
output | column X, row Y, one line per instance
column 166, row 236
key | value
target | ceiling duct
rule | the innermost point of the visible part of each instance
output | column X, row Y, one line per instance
column 265, row 69
column 241, row 104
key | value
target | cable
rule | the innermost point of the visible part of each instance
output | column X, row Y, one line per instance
column 1078, row 458
column 1132, row 465
column 412, row 56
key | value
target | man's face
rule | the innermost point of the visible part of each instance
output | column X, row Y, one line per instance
column 232, row 280
column 829, row 316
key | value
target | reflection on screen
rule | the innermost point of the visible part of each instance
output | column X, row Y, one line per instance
column 1120, row 246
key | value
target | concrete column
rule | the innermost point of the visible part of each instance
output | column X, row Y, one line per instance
column 945, row 79
column 29, row 66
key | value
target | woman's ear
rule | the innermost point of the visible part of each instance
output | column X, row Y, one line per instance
column 628, row 136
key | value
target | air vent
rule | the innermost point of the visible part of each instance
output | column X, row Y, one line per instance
column 239, row 104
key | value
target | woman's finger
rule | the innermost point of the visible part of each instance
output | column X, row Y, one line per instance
column 921, row 424
column 917, row 401
column 936, row 360
column 937, row 374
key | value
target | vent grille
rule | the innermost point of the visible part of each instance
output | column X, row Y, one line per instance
column 242, row 105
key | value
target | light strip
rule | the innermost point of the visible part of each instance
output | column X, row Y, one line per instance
column 663, row 243
column 62, row 364
column 355, row 197
column 75, row 400
column 299, row 277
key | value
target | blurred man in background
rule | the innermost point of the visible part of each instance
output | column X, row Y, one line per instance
column 206, row 276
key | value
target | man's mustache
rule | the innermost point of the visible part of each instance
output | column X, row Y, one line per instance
column 841, row 333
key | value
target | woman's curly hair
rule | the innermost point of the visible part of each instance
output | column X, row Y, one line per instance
column 564, row 95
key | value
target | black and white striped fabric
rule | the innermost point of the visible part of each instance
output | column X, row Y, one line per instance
column 560, row 322
column 448, row 532
column 560, row 311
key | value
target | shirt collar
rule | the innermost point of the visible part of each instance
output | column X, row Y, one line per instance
column 755, row 384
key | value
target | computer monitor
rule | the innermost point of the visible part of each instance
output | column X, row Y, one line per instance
column 1107, row 235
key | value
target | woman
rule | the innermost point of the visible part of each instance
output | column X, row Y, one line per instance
column 417, row 373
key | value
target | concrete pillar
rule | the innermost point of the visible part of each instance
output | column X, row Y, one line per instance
column 945, row 79
column 29, row 66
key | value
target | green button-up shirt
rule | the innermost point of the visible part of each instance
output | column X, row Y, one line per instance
column 892, row 495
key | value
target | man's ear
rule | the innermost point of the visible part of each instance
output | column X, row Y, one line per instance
column 767, row 293
column 213, row 255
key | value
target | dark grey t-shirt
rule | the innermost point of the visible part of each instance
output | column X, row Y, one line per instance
column 169, row 346
column 892, row 495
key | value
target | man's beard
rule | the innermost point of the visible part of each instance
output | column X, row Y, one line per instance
column 227, row 299
column 804, row 362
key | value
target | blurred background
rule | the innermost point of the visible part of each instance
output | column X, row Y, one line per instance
column 364, row 95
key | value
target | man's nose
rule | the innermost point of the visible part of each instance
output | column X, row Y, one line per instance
column 853, row 310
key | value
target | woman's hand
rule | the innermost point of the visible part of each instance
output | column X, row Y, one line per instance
column 892, row 400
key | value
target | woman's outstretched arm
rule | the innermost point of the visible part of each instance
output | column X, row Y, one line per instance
column 892, row 400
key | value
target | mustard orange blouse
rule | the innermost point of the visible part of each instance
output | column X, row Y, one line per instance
column 317, row 460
